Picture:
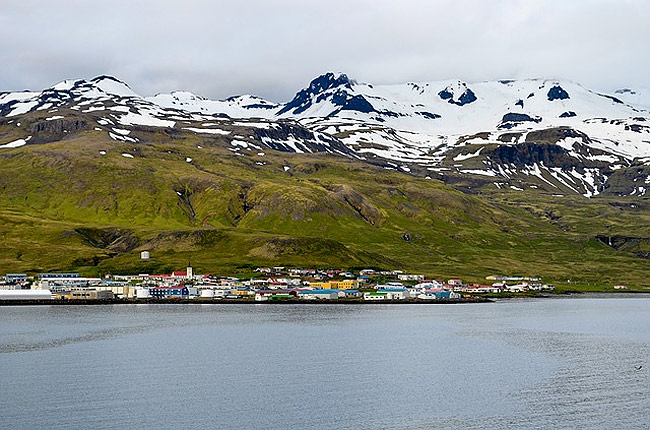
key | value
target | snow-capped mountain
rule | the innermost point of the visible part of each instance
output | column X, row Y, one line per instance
column 550, row 135
column 108, row 105
column 243, row 106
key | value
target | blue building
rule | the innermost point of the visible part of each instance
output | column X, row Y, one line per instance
column 322, row 294
column 14, row 278
column 179, row 291
column 351, row 294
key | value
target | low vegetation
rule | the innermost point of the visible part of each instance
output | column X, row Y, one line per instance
column 64, row 206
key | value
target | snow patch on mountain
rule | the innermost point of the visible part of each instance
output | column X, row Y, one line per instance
column 16, row 143
column 146, row 119
column 461, row 157
column 208, row 130
column 111, row 85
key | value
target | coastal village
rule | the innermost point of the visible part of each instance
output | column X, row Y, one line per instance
column 270, row 284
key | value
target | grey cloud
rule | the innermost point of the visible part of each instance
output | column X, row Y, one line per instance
column 271, row 48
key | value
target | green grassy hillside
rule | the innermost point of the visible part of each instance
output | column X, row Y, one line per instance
column 64, row 206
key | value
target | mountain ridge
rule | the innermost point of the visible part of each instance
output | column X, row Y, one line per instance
column 431, row 129
column 90, row 159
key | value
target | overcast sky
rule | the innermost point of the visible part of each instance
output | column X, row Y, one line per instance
column 272, row 48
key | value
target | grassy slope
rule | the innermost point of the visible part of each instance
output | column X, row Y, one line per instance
column 226, row 213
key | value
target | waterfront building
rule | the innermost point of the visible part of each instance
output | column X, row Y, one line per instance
column 283, row 296
column 438, row 294
column 350, row 294
column 394, row 293
column 347, row 284
column 243, row 292
column 374, row 295
column 263, row 295
column 326, row 294
column 206, row 293
column 222, row 292
column 119, row 289
column 179, row 291
column 519, row 288
column 142, row 293
column 91, row 294
column 25, row 295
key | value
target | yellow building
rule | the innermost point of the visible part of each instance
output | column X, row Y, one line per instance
column 348, row 284
column 243, row 292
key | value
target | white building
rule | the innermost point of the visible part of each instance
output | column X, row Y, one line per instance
column 142, row 293
column 118, row 289
column 374, row 296
column 207, row 293
column 395, row 293
column 25, row 295
column 519, row 288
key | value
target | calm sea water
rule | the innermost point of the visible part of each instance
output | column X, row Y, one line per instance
column 552, row 363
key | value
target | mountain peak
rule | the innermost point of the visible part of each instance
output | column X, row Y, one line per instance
column 185, row 95
column 306, row 97
column 107, row 78
column 111, row 85
column 330, row 80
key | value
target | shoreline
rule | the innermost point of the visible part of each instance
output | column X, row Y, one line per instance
column 199, row 301
column 203, row 301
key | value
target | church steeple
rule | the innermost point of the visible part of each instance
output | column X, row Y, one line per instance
column 190, row 271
